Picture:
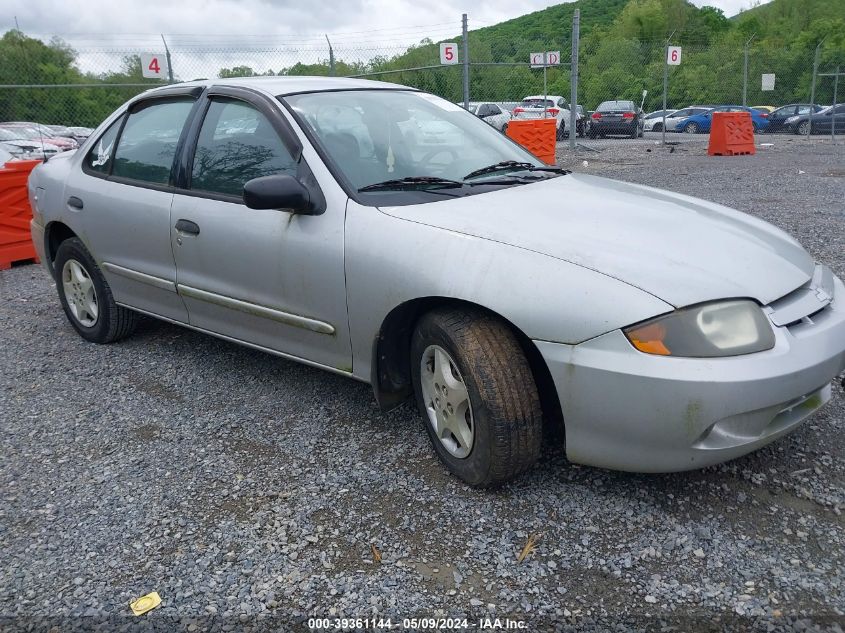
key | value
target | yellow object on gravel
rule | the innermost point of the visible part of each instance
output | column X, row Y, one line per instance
column 145, row 603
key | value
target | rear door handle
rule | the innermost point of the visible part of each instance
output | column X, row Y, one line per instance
column 186, row 226
column 74, row 202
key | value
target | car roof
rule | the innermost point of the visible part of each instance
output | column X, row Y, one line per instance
column 281, row 86
column 542, row 97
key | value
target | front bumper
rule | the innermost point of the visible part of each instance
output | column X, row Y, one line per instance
column 627, row 410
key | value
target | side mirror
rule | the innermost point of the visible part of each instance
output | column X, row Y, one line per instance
column 280, row 191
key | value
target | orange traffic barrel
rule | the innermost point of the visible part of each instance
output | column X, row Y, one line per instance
column 731, row 134
column 538, row 136
column 15, row 214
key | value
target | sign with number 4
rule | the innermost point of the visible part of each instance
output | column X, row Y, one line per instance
column 154, row 66
column 673, row 55
column 448, row 53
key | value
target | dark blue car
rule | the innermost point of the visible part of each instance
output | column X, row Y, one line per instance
column 700, row 123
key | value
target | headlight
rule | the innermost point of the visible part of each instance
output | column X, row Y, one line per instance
column 726, row 328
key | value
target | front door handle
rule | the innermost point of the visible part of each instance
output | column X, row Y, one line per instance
column 74, row 202
column 186, row 226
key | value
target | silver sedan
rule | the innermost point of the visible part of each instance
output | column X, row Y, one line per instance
column 310, row 218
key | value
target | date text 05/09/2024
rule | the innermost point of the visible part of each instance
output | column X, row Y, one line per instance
column 416, row 624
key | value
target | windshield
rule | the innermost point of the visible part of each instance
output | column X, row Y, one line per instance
column 373, row 136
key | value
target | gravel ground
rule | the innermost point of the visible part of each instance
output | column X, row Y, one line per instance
column 240, row 485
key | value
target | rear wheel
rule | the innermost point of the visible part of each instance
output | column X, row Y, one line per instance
column 561, row 132
column 691, row 128
column 477, row 395
column 86, row 297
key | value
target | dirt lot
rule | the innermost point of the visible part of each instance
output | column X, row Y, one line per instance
column 254, row 492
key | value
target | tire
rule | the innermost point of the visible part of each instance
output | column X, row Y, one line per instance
column 691, row 128
column 657, row 127
column 591, row 134
column 492, row 396
column 559, row 135
column 77, row 273
column 505, row 129
column 803, row 128
column 635, row 133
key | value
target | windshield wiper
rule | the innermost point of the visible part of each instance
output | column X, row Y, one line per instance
column 512, row 165
column 411, row 182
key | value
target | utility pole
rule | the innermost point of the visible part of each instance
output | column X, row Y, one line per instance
column 331, row 57
column 573, row 78
column 745, row 72
column 465, row 60
column 813, row 85
column 169, row 65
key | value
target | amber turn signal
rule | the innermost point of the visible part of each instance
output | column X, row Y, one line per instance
column 649, row 339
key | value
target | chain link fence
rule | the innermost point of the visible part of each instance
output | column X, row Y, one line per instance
column 46, row 80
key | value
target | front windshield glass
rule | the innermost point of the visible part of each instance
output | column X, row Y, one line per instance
column 373, row 136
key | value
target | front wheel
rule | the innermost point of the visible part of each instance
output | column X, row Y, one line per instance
column 86, row 297
column 803, row 128
column 477, row 395
column 691, row 128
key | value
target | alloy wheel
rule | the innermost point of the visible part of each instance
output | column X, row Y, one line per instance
column 447, row 401
column 80, row 294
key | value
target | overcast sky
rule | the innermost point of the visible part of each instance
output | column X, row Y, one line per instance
column 281, row 17
column 358, row 28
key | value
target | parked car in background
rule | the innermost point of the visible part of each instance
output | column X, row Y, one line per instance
column 823, row 122
column 49, row 131
column 617, row 117
column 540, row 107
column 674, row 119
column 653, row 121
column 582, row 121
column 25, row 148
column 700, row 123
column 34, row 131
column 777, row 118
column 662, row 331
column 509, row 105
column 491, row 113
column 80, row 133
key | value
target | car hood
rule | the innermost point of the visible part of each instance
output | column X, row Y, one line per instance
column 675, row 247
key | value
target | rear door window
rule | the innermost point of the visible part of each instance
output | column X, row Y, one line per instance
column 147, row 145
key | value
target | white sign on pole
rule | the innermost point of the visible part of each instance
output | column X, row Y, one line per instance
column 552, row 59
column 448, row 53
column 673, row 55
column 154, row 66
column 768, row 82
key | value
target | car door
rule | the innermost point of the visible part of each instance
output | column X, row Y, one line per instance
column 269, row 278
column 122, row 196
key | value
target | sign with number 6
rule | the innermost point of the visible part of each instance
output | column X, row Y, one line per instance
column 448, row 53
column 154, row 66
column 673, row 55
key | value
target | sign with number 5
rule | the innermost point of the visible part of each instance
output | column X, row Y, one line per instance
column 673, row 55
column 154, row 66
column 448, row 53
